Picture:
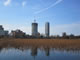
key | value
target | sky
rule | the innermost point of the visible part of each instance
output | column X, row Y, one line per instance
column 63, row 15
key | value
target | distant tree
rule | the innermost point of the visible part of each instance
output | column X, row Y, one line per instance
column 72, row 36
column 64, row 34
column 52, row 36
column 42, row 36
column 58, row 36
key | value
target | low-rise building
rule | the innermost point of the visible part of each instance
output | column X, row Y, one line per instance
column 2, row 31
column 17, row 34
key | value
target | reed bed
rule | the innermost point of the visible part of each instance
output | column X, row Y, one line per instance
column 53, row 43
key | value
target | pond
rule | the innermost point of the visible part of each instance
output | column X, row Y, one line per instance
column 35, row 53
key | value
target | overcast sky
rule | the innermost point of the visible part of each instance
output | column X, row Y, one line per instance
column 63, row 15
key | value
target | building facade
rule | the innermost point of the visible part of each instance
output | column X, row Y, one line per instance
column 47, row 29
column 17, row 34
column 2, row 31
column 34, row 29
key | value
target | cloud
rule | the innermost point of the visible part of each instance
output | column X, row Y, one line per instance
column 7, row 2
column 68, row 28
column 26, row 29
column 54, row 4
column 11, row 27
column 23, row 3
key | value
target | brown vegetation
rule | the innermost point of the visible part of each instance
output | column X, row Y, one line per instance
column 51, row 43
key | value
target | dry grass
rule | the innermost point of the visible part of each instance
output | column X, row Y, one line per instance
column 53, row 43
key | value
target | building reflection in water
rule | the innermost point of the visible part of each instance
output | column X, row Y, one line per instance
column 47, row 51
column 1, row 49
column 34, row 52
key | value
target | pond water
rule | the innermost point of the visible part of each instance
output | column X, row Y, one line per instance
column 11, row 53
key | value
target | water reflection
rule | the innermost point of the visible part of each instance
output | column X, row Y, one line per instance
column 34, row 51
column 38, row 53
column 47, row 51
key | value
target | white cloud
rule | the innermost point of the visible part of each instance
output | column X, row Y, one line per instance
column 23, row 3
column 10, row 27
column 68, row 28
column 26, row 29
column 7, row 2
column 54, row 4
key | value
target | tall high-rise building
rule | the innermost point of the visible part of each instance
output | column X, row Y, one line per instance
column 47, row 29
column 34, row 29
